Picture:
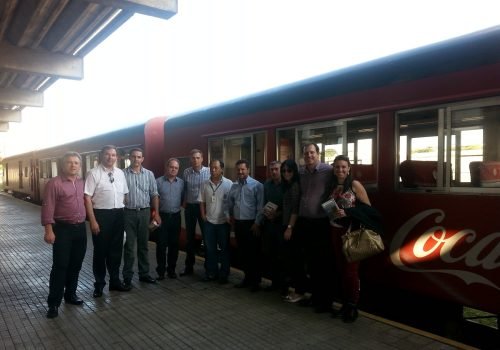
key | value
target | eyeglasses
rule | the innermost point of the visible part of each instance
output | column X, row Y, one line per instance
column 111, row 178
column 287, row 171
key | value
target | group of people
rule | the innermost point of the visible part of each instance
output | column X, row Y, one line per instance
column 280, row 224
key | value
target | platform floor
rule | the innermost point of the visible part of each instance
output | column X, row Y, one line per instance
column 185, row 313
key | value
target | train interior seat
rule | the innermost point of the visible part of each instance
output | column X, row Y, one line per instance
column 485, row 173
column 365, row 173
column 418, row 173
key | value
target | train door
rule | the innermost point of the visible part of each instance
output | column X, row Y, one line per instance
column 232, row 148
column 34, row 179
column 21, row 174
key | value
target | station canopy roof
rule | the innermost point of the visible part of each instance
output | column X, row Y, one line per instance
column 45, row 40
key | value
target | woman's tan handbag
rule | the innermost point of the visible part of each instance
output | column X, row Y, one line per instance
column 361, row 244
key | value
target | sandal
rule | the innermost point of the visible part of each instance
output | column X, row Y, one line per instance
column 293, row 298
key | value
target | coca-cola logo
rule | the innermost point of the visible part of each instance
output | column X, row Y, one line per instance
column 436, row 241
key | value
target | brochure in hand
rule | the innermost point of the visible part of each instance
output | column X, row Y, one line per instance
column 270, row 207
column 330, row 207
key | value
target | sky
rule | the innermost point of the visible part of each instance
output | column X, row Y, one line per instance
column 218, row 50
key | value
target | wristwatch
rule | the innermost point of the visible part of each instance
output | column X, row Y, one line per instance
column 289, row 226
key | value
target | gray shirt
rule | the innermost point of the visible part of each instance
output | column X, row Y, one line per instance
column 313, row 188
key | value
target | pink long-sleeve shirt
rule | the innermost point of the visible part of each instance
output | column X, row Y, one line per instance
column 63, row 201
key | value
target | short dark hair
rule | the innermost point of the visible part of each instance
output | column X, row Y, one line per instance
column 136, row 149
column 310, row 144
column 167, row 163
column 195, row 150
column 107, row 148
column 243, row 161
column 221, row 163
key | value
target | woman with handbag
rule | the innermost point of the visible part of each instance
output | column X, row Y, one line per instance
column 347, row 193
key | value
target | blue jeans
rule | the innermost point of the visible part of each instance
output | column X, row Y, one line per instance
column 216, row 235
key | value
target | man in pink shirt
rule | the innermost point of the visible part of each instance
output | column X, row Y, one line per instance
column 63, row 216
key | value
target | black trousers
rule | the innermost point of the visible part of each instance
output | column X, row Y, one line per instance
column 249, row 248
column 108, row 246
column 168, row 236
column 68, row 252
column 192, row 215
column 319, row 258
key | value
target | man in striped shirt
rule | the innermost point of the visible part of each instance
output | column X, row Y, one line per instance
column 194, row 177
column 143, row 194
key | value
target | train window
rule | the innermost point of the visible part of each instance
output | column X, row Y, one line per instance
column 91, row 161
column 356, row 137
column 329, row 137
column 54, row 169
column 244, row 146
column 475, row 146
column 451, row 147
column 45, row 169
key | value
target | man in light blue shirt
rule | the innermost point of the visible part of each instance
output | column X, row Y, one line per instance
column 171, row 189
column 244, row 210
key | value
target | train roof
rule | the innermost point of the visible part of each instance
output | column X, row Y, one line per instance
column 465, row 52
column 88, row 144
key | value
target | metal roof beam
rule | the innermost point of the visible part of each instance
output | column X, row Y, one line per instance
column 39, row 61
column 16, row 97
column 156, row 8
column 9, row 115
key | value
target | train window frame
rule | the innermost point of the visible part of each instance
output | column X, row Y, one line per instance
column 256, row 155
column 346, row 128
column 45, row 169
column 450, row 159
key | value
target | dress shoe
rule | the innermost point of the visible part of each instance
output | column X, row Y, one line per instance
column 52, row 312
column 208, row 278
column 223, row 280
column 161, row 277
column 350, row 314
column 119, row 287
column 339, row 312
column 97, row 292
column 127, row 284
column 147, row 279
column 172, row 275
column 188, row 271
column 73, row 300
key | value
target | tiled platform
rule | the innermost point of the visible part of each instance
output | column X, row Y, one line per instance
column 185, row 313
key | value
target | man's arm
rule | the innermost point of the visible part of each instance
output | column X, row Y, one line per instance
column 94, row 226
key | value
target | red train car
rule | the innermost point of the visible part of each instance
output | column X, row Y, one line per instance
column 414, row 124
column 25, row 175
